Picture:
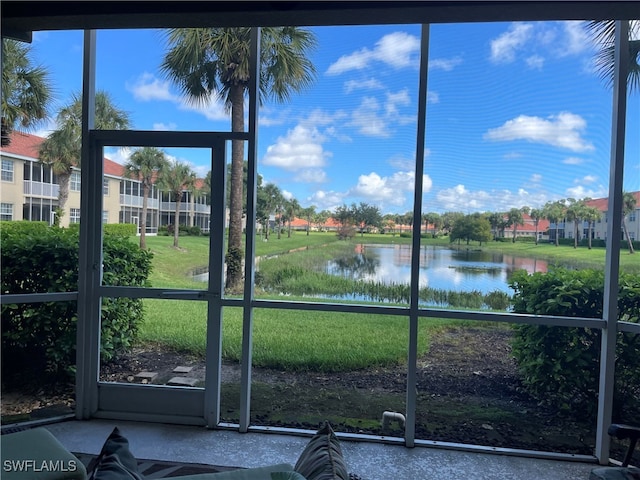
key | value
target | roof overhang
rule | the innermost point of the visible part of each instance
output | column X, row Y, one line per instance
column 20, row 18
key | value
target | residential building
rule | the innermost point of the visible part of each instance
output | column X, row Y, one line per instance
column 566, row 228
column 30, row 192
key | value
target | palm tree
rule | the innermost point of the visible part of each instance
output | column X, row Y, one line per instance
column 603, row 33
column 206, row 62
column 590, row 215
column 308, row 214
column 514, row 217
column 536, row 215
column 177, row 178
column 145, row 164
column 554, row 212
column 61, row 149
column 574, row 213
column 292, row 208
column 628, row 206
column 26, row 89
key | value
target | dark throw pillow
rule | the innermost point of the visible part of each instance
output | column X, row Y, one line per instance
column 115, row 461
column 322, row 457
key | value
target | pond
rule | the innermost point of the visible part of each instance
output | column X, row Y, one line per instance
column 441, row 268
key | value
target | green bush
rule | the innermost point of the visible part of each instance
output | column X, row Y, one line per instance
column 560, row 365
column 121, row 229
column 41, row 337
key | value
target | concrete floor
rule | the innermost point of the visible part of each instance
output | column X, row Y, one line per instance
column 371, row 461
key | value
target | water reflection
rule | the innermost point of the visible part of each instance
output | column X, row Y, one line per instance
column 440, row 267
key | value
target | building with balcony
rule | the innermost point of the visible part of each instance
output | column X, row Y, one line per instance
column 30, row 192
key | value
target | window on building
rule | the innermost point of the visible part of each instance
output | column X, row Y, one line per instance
column 74, row 215
column 632, row 216
column 105, row 186
column 105, row 216
column 7, row 171
column 6, row 209
column 74, row 183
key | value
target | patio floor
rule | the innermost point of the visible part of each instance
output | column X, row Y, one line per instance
column 371, row 461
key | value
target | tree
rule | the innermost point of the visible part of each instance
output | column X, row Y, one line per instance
column 474, row 227
column 514, row 217
column 628, row 206
column 308, row 214
column 147, row 164
column 433, row 219
column 206, row 62
column 536, row 215
column 603, row 32
column 268, row 202
column 291, row 209
column 554, row 212
column 321, row 218
column 590, row 215
column 61, row 149
column 177, row 177
column 344, row 216
column 366, row 216
column 573, row 212
column 26, row 89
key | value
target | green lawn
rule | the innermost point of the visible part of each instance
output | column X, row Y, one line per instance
column 291, row 339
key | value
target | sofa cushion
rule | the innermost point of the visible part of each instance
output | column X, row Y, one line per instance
column 37, row 454
column 322, row 457
column 615, row 473
column 260, row 473
column 115, row 462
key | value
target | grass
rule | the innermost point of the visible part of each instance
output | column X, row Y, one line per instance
column 297, row 340
column 289, row 339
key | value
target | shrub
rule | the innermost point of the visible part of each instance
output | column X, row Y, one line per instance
column 560, row 365
column 121, row 229
column 41, row 337
column 346, row 233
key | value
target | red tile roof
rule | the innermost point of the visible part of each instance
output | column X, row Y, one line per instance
column 602, row 204
column 23, row 144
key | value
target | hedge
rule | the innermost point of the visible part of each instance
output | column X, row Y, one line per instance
column 560, row 365
column 41, row 337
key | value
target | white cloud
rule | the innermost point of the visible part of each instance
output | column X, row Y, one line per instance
column 460, row 199
column 576, row 40
column 374, row 120
column 535, row 62
column 504, row 48
column 164, row 126
column 573, row 161
column 433, row 97
column 147, row 87
column 370, row 84
column 311, row 175
column 368, row 120
column 536, row 178
column 446, row 64
column 326, row 200
column 397, row 50
column 119, row 155
column 588, row 179
column 300, row 149
column 390, row 190
column 581, row 192
column 562, row 130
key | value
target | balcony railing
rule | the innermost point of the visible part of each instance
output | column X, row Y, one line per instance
column 40, row 189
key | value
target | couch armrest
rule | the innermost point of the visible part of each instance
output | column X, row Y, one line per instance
column 37, row 455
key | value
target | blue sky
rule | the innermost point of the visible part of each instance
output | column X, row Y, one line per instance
column 515, row 115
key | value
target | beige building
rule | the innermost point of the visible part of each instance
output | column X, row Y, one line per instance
column 29, row 191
